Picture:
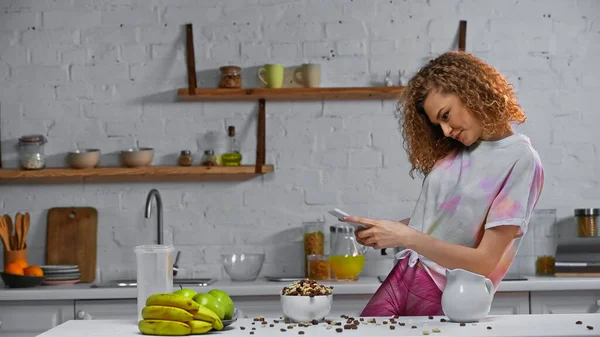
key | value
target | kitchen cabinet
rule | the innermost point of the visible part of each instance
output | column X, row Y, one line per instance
column 510, row 303
column 106, row 309
column 31, row 318
column 565, row 302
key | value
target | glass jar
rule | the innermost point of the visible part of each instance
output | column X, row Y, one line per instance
column 544, row 265
column 318, row 267
column 185, row 158
column 314, row 241
column 587, row 221
column 209, row 158
column 231, row 77
column 31, row 152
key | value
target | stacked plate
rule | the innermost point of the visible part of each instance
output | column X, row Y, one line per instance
column 60, row 274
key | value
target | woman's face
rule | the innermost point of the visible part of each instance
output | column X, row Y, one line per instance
column 453, row 117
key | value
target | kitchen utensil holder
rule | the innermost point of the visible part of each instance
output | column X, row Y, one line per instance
column 11, row 255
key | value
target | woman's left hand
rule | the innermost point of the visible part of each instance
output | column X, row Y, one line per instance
column 381, row 233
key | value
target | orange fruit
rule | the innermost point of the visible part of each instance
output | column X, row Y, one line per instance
column 13, row 268
column 21, row 262
column 33, row 271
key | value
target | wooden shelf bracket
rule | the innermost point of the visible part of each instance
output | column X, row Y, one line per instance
column 462, row 35
column 261, row 118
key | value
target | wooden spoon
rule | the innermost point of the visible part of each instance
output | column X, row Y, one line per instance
column 19, row 229
column 4, row 234
column 25, row 230
column 11, row 234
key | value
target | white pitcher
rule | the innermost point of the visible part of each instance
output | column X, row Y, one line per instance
column 467, row 297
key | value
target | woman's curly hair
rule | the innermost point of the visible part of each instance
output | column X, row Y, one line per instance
column 480, row 87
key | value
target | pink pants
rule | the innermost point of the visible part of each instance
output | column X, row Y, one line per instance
column 407, row 291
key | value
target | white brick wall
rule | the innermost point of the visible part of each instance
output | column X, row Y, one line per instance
column 103, row 74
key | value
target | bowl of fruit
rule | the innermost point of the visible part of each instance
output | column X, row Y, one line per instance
column 19, row 274
column 186, row 312
column 306, row 301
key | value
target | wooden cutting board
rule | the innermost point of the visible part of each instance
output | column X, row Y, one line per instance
column 72, row 238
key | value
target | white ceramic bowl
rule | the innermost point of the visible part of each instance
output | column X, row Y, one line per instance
column 306, row 308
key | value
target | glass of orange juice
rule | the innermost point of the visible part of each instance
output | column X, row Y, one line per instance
column 346, row 256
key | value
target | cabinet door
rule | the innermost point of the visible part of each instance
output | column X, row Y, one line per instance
column 565, row 302
column 510, row 303
column 31, row 318
column 106, row 309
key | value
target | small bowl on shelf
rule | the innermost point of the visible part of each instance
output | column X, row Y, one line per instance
column 243, row 266
column 83, row 158
column 137, row 157
column 20, row 281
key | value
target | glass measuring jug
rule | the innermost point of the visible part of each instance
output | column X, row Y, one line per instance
column 154, row 272
column 346, row 256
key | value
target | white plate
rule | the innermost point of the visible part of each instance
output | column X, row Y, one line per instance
column 56, row 272
column 62, row 277
column 59, row 266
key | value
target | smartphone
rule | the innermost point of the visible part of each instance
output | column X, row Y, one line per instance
column 339, row 214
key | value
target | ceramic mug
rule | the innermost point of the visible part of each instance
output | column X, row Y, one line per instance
column 273, row 75
column 309, row 75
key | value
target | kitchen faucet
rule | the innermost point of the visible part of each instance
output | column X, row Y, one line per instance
column 159, row 221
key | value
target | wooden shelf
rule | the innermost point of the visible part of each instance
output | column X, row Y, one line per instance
column 138, row 174
column 289, row 94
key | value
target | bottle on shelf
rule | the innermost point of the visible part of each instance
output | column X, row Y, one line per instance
column 232, row 157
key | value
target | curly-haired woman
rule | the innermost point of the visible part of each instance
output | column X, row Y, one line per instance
column 482, row 182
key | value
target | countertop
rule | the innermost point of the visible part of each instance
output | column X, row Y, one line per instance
column 261, row 287
column 505, row 325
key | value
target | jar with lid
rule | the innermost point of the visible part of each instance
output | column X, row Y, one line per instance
column 185, row 158
column 209, row 158
column 31, row 152
column 587, row 221
column 231, row 77
column 314, row 241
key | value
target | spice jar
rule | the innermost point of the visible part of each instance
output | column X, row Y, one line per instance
column 185, row 158
column 314, row 241
column 231, row 77
column 587, row 221
column 31, row 152
column 209, row 158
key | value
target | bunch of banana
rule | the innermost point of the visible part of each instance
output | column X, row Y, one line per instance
column 176, row 315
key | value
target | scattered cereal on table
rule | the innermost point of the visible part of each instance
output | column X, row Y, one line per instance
column 425, row 332
column 339, row 329
column 489, row 328
column 462, row 324
column 435, row 330
column 392, row 327
column 589, row 327
column 579, row 322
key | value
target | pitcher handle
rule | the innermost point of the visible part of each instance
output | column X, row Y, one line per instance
column 489, row 286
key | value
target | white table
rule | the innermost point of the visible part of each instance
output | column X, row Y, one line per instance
column 509, row 326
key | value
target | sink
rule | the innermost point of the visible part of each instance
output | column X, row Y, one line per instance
column 195, row 282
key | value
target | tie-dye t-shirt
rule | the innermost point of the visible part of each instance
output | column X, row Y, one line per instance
column 489, row 184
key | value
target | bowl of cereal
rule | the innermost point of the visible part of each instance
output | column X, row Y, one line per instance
column 306, row 301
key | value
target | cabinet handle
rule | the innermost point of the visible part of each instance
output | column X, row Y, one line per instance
column 598, row 305
column 82, row 315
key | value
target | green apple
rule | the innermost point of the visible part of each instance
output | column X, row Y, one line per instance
column 226, row 302
column 210, row 302
column 185, row 292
